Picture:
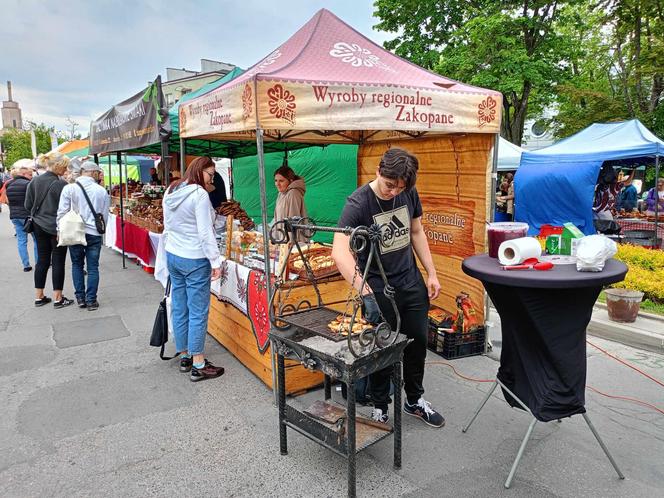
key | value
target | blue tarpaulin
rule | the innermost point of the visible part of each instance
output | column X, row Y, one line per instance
column 556, row 184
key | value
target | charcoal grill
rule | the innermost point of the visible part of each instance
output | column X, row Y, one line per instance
column 303, row 335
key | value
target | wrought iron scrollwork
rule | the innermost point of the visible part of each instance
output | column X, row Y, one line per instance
column 361, row 240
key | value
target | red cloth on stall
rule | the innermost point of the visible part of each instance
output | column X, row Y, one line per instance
column 136, row 240
column 257, row 307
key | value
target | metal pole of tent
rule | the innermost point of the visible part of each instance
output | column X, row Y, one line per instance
column 126, row 176
column 492, row 209
column 657, row 203
column 110, row 178
column 230, row 178
column 163, row 112
column 183, row 156
column 266, row 238
column 122, row 238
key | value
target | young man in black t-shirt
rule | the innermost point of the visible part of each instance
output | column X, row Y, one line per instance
column 391, row 200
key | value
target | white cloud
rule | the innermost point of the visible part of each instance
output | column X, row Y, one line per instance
column 77, row 57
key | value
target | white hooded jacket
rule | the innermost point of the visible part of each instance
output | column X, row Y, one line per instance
column 188, row 224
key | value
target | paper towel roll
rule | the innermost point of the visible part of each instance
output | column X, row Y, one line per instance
column 516, row 251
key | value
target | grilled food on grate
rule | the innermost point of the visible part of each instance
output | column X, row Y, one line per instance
column 341, row 325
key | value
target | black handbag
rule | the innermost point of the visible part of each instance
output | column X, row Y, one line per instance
column 100, row 224
column 159, row 336
column 29, row 223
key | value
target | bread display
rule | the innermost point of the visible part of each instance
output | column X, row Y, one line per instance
column 233, row 208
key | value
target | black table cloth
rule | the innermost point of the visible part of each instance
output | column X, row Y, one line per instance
column 544, row 315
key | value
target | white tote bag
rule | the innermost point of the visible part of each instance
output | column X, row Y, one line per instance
column 72, row 230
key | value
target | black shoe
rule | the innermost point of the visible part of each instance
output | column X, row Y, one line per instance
column 62, row 303
column 41, row 302
column 185, row 364
column 209, row 371
column 80, row 302
column 423, row 410
column 93, row 306
column 379, row 416
column 27, row 268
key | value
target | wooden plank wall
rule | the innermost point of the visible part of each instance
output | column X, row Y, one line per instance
column 437, row 176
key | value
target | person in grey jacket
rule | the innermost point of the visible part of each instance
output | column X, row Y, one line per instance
column 87, row 177
column 41, row 200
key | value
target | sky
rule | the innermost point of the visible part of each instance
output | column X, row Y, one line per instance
column 77, row 58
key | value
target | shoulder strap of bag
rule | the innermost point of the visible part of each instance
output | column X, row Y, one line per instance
column 166, row 294
column 85, row 194
column 36, row 209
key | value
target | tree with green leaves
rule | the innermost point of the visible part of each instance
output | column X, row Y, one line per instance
column 16, row 144
column 617, row 67
column 514, row 46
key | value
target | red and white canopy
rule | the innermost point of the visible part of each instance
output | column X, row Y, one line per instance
column 330, row 84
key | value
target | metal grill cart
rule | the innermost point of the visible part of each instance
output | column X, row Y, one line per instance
column 302, row 333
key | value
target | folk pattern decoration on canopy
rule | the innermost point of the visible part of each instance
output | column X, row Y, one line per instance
column 247, row 102
column 486, row 111
column 281, row 103
column 357, row 56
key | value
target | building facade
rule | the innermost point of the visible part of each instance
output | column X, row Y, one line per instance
column 11, row 112
column 182, row 81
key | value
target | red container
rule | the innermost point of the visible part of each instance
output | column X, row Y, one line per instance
column 500, row 232
column 546, row 230
column 148, row 269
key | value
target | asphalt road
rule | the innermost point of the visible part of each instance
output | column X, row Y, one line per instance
column 88, row 409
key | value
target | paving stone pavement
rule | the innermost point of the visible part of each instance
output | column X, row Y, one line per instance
column 90, row 410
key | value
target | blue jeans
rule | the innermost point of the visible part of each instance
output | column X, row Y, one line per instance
column 22, row 242
column 88, row 255
column 190, row 301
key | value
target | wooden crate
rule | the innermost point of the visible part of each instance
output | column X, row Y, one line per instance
column 233, row 330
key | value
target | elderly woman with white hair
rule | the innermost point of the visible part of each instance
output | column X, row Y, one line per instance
column 41, row 200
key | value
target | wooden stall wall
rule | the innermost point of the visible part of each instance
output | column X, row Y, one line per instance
column 454, row 185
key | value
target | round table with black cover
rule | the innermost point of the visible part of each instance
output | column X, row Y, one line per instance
column 544, row 315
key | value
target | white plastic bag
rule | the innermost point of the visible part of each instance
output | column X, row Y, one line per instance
column 593, row 251
column 71, row 230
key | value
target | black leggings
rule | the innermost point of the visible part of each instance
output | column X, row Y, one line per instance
column 413, row 305
column 49, row 253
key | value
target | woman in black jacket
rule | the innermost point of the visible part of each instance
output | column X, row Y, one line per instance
column 15, row 191
column 41, row 200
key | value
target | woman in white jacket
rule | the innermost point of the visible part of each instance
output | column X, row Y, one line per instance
column 193, row 260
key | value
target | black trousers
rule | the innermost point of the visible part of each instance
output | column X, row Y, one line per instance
column 413, row 305
column 49, row 253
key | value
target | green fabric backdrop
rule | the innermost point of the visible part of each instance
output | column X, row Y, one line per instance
column 330, row 175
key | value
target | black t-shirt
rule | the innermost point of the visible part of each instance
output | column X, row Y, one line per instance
column 363, row 207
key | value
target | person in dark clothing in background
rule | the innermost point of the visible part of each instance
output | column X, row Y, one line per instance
column 15, row 191
column 218, row 195
column 154, row 177
column 41, row 200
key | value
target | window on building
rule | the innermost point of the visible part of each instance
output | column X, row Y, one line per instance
column 14, row 122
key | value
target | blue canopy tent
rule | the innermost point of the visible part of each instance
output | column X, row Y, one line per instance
column 556, row 184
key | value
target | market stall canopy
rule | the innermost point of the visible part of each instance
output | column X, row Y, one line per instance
column 74, row 148
column 330, row 84
column 509, row 155
column 556, row 184
column 133, row 123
